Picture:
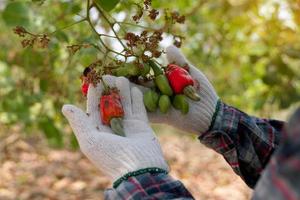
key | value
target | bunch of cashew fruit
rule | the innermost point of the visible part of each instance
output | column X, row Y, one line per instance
column 170, row 86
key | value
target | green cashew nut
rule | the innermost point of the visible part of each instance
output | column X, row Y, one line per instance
column 180, row 102
column 130, row 69
column 163, row 85
column 164, row 103
column 161, row 80
column 121, row 71
column 151, row 100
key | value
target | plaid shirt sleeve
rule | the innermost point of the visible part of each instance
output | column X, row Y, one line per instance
column 281, row 179
column 245, row 142
column 149, row 186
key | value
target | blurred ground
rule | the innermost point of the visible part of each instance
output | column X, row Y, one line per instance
column 30, row 170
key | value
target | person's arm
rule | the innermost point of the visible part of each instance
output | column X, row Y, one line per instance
column 281, row 178
column 149, row 186
column 245, row 142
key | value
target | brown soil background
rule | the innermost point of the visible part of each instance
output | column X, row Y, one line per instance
column 30, row 170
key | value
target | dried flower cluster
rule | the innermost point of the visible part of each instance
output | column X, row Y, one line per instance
column 146, row 7
column 76, row 47
column 177, row 40
column 143, row 46
column 177, row 17
column 145, row 42
column 41, row 40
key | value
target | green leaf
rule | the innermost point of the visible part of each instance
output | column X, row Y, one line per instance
column 16, row 13
column 107, row 5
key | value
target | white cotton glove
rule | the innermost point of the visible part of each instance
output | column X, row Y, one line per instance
column 199, row 117
column 200, row 114
column 116, row 155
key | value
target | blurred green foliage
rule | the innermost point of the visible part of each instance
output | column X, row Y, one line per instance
column 250, row 50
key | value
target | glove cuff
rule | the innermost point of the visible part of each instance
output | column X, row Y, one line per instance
column 203, row 114
column 151, row 170
column 218, row 106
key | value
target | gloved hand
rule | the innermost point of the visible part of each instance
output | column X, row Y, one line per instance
column 200, row 114
column 116, row 155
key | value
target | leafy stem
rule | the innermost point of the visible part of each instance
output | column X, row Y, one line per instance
column 137, row 25
column 110, row 24
column 98, row 34
column 68, row 26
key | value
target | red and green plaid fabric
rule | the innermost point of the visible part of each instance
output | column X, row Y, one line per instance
column 247, row 144
column 149, row 186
